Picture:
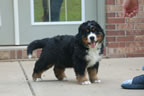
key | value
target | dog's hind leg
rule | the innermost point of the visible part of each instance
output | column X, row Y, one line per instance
column 59, row 73
column 39, row 68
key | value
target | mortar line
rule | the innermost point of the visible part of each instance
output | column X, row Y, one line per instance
column 27, row 80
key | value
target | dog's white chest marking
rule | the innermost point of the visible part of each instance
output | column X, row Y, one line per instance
column 93, row 55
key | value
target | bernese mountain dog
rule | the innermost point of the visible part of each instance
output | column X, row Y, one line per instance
column 81, row 52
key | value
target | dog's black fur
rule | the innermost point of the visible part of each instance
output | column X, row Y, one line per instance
column 67, row 51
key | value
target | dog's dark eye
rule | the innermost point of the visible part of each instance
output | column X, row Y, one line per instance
column 87, row 30
column 93, row 30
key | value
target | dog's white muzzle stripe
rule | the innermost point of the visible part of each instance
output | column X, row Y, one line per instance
column 92, row 35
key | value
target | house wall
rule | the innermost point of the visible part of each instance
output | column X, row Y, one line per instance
column 6, row 22
column 124, row 36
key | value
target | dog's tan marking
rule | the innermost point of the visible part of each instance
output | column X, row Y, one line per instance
column 87, row 30
column 81, row 79
column 59, row 73
column 93, row 30
column 85, row 40
column 100, row 37
column 38, row 75
column 92, row 75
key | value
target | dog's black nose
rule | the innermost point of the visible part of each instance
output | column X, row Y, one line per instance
column 92, row 38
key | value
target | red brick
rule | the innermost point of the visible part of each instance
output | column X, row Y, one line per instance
column 110, row 39
column 130, row 32
column 39, row 52
column 116, row 52
column 119, row 14
column 112, row 45
column 139, row 38
column 112, row 8
column 139, row 32
column 24, row 52
column 135, row 44
column 105, row 51
column 4, row 54
column 110, row 14
column 140, row 14
column 139, row 50
column 122, row 44
column 116, row 45
column 110, row 26
column 19, row 54
column 140, row 8
column 134, row 50
column 12, row 54
column 121, row 52
column 115, row 20
column 135, row 20
column 125, row 26
column 116, row 33
column 141, row 2
column 135, row 32
column 119, row 2
column 135, row 55
column 110, row 2
column 126, row 38
column 139, row 26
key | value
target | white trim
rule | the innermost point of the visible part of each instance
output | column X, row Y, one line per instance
column 32, row 11
column 60, row 22
column 12, row 47
column 57, row 23
column 83, row 10
column 16, row 22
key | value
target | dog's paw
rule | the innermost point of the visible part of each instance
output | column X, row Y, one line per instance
column 85, row 83
column 97, row 81
column 65, row 79
column 29, row 56
column 37, row 79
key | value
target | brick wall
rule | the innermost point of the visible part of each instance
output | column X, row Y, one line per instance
column 124, row 36
column 17, row 54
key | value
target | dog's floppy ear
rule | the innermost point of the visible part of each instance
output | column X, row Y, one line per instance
column 80, row 29
column 79, row 34
column 100, row 29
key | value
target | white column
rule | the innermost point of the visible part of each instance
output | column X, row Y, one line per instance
column 16, row 22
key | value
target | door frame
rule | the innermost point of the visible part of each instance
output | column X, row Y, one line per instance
column 16, row 22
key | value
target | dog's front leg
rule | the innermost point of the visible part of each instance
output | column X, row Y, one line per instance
column 92, row 72
column 82, row 79
column 80, row 70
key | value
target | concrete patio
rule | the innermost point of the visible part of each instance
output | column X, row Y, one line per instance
column 16, row 80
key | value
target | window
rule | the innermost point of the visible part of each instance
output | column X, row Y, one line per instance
column 57, row 11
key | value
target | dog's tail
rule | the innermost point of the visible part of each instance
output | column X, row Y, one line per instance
column 35, row 45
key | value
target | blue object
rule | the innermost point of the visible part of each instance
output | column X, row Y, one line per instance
column 143, row 68
column 136, row 83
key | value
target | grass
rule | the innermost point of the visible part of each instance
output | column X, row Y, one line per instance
column 74, row 10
